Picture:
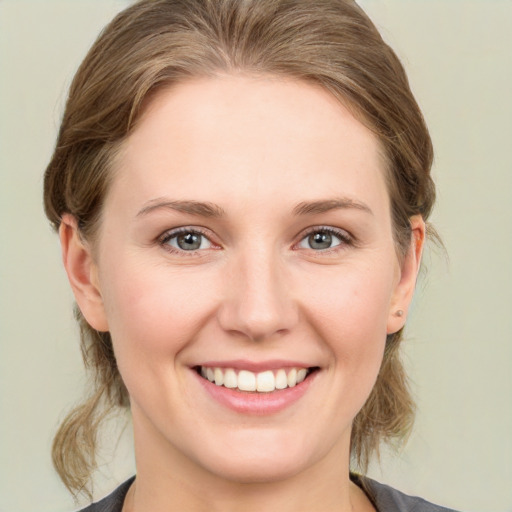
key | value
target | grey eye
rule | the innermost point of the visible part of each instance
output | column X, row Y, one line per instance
column 189, row 241
column 320, row 240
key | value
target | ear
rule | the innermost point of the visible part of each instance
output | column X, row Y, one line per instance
column 82, row 273
column 409, row 269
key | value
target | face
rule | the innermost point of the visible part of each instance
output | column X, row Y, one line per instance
column 246, row 269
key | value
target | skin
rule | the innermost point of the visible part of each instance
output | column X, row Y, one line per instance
column 256, row 147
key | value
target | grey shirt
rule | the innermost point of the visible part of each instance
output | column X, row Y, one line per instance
column 383, row 497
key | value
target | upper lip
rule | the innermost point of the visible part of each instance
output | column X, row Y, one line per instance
column 256, row 366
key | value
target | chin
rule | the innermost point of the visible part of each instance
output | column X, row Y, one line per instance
column 255, row 470
column 254, row 458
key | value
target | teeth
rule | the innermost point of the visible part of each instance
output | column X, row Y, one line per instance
column 246, row 381
column 263, row 382
column 292, row 378
column 230, row 379
column 219, row 376
column 281, row 379
column 301, row 375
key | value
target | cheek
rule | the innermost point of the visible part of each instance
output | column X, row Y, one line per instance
column 155, row 312
column 349, row 311
column 350, row 300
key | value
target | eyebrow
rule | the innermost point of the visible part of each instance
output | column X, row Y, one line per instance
column 207, row 209
column 201, row 209
column 322, row 206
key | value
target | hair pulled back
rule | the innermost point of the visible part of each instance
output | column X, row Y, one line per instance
column 156, row 43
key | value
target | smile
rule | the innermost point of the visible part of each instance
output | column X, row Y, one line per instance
column 248, row 381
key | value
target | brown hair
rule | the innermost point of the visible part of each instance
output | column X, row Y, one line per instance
column 155, row 43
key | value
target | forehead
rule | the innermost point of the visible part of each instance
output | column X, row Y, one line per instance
column 247, row 135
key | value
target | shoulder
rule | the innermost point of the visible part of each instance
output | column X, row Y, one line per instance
column 113, row 502
column 388, row 499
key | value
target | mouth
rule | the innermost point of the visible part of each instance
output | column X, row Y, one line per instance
column 246, row 381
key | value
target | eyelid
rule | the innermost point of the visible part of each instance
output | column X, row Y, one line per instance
column 174, row 232
column 345, row 237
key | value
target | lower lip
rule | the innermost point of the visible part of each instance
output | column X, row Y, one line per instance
column 256, row 403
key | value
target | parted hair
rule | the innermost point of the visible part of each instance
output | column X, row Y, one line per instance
column 155, row 43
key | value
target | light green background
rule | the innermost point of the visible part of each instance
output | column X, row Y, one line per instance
column 459, row 349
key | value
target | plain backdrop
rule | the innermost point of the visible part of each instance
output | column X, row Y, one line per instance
column 459, row 339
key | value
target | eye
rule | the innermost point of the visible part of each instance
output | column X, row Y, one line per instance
column 186, row 240
column 321, row 239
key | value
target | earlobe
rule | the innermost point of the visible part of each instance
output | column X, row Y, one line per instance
column 409, row 269
column 82, row 273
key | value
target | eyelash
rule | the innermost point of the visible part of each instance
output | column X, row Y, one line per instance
column 345, row 239
column 164, row 239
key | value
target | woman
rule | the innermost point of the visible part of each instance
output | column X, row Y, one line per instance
column 241, row 190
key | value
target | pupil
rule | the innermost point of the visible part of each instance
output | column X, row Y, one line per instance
column 320, row 240
column 189, row 241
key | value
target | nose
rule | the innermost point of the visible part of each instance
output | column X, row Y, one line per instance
column 258, row 301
